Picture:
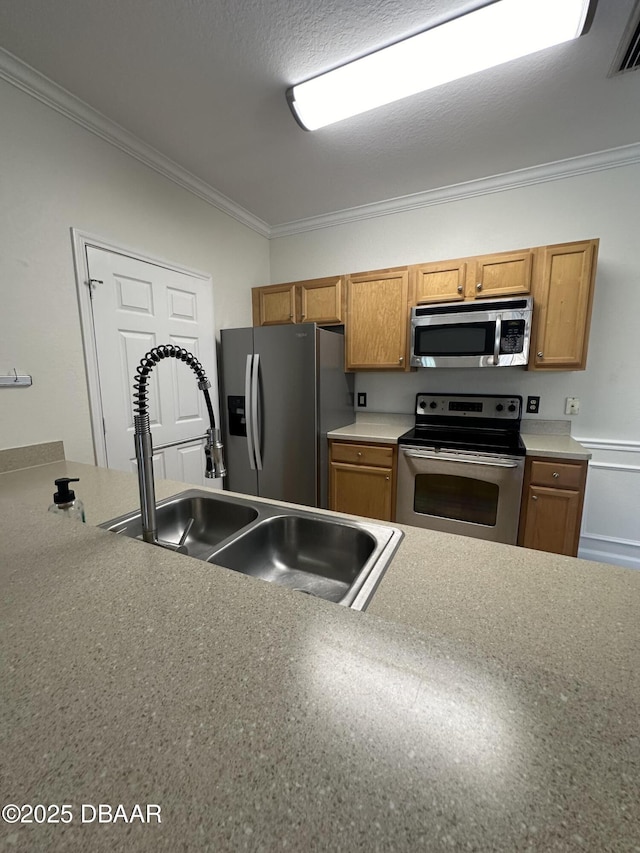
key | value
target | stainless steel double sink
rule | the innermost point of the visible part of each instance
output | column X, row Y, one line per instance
column 338, row 559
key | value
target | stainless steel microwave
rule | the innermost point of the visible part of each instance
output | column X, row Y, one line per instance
column 487, row 333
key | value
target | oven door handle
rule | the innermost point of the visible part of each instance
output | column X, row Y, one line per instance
column 487, row 461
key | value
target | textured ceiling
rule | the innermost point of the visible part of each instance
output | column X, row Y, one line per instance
column 203, row 82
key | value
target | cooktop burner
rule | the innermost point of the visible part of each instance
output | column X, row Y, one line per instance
column 471, row 422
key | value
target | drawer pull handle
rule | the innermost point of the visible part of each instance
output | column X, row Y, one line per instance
column 459, row 288
column 534, row 497
column 479, row 286
column 555, row 475
column 540, row 355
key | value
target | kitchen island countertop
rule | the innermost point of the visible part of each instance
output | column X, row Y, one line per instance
column 487, row 699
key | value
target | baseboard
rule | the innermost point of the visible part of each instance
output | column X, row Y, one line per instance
column 604, row 549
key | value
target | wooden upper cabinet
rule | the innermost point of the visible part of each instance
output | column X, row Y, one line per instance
column 486, row 276
column 377, row 320
column 319, row 300
column 563, row 295
column 274, row 304
column 504, row 274
column 441, row 282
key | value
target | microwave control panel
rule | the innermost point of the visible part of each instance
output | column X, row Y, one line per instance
column 512, row 336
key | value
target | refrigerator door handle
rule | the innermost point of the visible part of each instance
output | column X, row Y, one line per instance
column 255, row 403
column 247, row 414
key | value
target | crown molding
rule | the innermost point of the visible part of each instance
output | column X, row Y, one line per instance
column 26, row 78
column 558, row 170
column 33, row 83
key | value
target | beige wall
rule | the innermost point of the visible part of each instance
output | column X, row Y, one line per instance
column 54, row 175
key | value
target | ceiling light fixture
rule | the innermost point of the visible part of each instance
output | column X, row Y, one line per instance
column 491, row 35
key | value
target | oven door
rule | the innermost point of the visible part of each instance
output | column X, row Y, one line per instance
column 460, row 492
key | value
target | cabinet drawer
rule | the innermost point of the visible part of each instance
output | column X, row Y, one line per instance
column 560, row 475
column 362, row 454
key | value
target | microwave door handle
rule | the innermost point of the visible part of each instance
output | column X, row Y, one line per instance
column 464, row 460
column 496, row 341
column 247, row 412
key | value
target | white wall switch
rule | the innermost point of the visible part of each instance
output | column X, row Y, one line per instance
column 572, row 406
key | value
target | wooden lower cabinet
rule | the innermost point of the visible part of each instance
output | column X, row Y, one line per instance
column 362, row 479
column 552, row 501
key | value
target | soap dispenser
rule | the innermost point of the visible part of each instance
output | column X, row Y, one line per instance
column 65, row 502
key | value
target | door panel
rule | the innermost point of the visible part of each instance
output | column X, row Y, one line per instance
column 137, row 305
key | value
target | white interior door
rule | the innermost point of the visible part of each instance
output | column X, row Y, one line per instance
column 136, row 306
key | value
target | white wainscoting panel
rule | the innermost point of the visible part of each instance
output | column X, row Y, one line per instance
column 611, row 519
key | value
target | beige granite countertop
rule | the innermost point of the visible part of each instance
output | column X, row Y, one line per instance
column 381, row 429
column 487, row 700
column 562, row 446
column 387, row 429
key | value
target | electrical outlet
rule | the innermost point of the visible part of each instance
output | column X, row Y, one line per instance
column 533, row 405
column 362, row 400
column 572, row 406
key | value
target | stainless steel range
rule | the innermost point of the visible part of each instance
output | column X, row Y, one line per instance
column 460, row 469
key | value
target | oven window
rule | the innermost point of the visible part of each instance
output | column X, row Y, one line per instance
column 455, row 339
column 460, row 498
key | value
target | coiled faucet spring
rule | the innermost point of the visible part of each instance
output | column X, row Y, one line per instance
column 152, row 358
column 142, row 435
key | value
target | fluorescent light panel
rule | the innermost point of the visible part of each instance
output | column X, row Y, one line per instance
column 492, row 35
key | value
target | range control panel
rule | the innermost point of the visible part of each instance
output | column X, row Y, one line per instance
column 500, row 406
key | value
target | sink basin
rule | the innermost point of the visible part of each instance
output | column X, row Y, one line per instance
column 336, row 558
column 215, row 519
column 312, row 555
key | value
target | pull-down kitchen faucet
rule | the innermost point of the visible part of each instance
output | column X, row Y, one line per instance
column 214, row 466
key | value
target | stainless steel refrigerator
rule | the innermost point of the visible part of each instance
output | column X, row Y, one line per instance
column 283, row 388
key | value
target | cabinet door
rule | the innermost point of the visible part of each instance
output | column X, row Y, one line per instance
column 361, row 490
column 377, row 319
column 441, row 282
column 273, row 304
column 552, row 520
column 505, row 274
column 321, row 301
column 563, row 298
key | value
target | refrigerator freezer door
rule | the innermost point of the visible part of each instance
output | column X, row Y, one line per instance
column 287, row 418
column 237, row 345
